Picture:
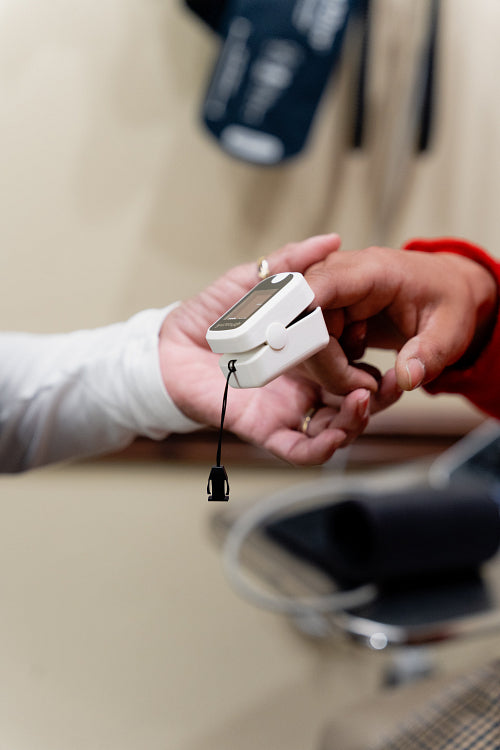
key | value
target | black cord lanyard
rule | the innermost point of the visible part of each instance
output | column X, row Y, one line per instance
column 218, row 484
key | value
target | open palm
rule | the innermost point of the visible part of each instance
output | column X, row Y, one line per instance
column 270, row 416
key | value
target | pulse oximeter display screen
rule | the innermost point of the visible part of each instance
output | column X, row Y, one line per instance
column 244, row 309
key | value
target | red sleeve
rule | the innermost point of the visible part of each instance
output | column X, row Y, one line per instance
column 480, row 382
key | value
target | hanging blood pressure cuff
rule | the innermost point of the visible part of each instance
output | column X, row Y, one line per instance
column 413, row 534
column 274, row 64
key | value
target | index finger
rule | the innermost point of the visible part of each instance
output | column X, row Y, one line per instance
column 354, row 278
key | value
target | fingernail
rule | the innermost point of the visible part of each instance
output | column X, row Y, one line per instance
column 364, row 407
column 358, row 330
column 416, row 372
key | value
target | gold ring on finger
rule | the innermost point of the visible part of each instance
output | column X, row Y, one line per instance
column 262, row 268
column 304, row 427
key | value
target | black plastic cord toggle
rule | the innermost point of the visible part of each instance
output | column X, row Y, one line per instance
column 218, row 484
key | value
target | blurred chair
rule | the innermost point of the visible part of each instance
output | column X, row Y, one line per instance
column 459, row 713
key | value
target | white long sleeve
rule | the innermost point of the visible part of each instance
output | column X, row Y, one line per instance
column 83, row 393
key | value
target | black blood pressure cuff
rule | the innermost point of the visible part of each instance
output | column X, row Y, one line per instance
column 413, row 534
column 274, row 64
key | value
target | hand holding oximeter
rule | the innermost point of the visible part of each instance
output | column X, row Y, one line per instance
column 269, row 330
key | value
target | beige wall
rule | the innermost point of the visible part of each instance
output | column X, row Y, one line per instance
column 113, row 198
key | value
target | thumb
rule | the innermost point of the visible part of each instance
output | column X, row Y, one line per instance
column 443, row 336
column 424, row 357
column 299, row 256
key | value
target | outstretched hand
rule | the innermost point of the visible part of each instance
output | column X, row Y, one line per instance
column 271, row 416
column 432, row 308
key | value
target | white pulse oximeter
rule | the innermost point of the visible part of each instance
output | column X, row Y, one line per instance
column 269, row 330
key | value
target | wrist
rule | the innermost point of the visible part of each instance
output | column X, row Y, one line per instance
column 483, row 293
column 481, row 273
column 175, row 415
